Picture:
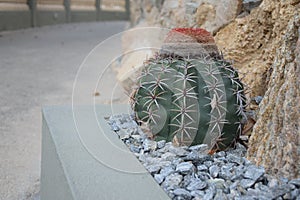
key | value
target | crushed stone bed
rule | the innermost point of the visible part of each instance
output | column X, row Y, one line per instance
column 190, row 173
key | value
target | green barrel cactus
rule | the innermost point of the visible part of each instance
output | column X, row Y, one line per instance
column 190, row 101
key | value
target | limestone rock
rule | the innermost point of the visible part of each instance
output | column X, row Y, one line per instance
column 251, row 42
column 213, row 15
column 275, row 141
column 208, row 14
column 139, row 44
column 144, row 10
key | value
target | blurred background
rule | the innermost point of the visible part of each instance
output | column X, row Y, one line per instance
column 42, row 45
column 16, row 14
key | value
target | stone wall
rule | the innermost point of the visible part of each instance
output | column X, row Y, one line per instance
column 208, row 14
column 252, row 41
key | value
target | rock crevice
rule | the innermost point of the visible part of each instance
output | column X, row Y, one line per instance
column 275, row 139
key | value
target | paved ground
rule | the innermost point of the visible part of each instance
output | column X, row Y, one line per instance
column 38, row 67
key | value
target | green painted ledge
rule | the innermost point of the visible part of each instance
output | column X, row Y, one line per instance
column 83, row 159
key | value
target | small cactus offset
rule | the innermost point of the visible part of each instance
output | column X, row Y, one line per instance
column 190, row 100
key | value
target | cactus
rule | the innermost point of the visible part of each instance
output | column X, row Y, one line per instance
column 190, row 100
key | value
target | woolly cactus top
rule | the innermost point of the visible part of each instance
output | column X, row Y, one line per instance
column 194, row 34
column 190, row 42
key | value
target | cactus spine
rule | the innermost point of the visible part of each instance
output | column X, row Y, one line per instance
column 190, row 100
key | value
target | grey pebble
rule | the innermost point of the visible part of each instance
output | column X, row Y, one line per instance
column 134, row 148
column 287, row 196
column 129, row 126
column 217, row 183
column 204, row 176
column 161, row 144
column 179, row 151
column 258, row 99
column 226, row 171
column 115, row 127
column 208, row 163
column 186, row 180
column 235, row 159
column 152, row 160
column 257, row 193
column 123, row 134
column 262, row 187
column 254, row 173
column 176, row 161
column 138, row 138
column 204, row 158
column 209, row 193
column 202, row 168
column 182, row 193
column 295, row 182
column 197, row 157
column 295, row 193
column 199, row 148
column 166, row 171
column 273, row 183
column 159, row 178
column 184, row 167
column 149, row 145
column 168, row 156
column 284, row 180
column 153, row 168
column 220, row 195
column 238, row 173
column 280, row 190
column 221, row 154
column 214, row 171
column 178, row 197
column 197, row 194
column 172, row 181
column 192, row 156
column 196, row 184
column 246, row 183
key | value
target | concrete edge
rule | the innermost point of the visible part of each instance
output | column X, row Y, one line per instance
column 146, row 185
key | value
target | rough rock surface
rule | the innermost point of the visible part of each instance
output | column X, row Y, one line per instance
column 139, row 44
column 275, row 141
column 208, row 14
column 252, row 41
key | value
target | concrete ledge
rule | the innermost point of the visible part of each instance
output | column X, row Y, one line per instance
column 81, row 160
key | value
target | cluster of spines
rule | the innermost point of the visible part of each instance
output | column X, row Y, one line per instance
column 185, row 102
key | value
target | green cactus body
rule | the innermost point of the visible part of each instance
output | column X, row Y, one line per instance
column 190, row 100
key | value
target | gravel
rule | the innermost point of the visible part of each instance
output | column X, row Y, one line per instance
column 189, row 173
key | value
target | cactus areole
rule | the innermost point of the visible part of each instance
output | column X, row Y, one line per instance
column 190, row 98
